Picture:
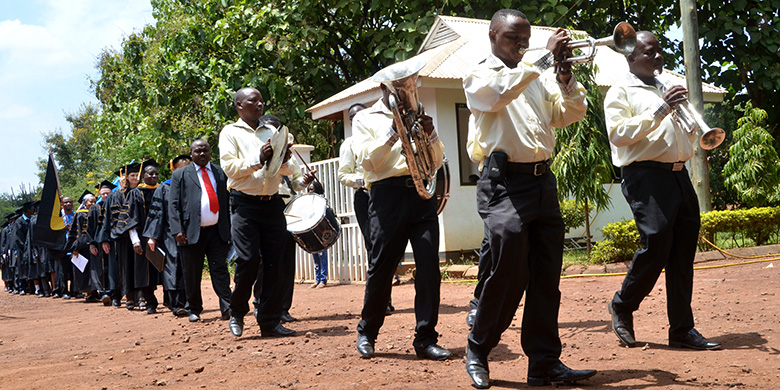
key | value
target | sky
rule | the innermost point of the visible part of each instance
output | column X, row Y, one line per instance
column 48, row 51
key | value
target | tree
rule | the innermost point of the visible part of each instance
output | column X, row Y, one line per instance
column 585, row 144
column 754, row 167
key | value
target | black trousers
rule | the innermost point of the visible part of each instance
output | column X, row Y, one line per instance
column 398, row 215
column 360, row 204
column 523, row 218
column 286, row 275
column 667, row 217
column 209, row 246
column 258, row 230
column 483, row 268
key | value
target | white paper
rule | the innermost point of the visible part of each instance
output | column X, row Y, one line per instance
column 80, row 262
column 162, row 251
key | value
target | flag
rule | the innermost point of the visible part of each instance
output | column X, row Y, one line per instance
column 49, row 230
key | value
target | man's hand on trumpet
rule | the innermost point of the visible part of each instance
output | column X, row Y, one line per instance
column 675, row 95
column 558, row 45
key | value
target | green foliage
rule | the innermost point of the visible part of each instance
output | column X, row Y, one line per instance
column 621, row 240
column 757, row 224
column 573, row 213
column 753, row 169
column 723, row 115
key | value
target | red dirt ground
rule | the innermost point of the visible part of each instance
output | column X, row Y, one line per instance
column 56, row 344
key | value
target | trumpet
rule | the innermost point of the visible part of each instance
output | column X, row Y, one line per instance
column 686, row 115
column 623, row 39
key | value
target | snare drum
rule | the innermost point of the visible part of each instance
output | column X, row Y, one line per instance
column 312, row 222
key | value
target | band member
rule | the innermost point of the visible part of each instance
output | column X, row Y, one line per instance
column 200, row 223
column 397, row 215
column 258, row 223
column 99, row 262
column 514, row 114
column 651, row 150
column 113, row 239
column 158, row 230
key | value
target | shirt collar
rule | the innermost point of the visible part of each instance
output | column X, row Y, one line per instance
column 634, row 81
column 379, row 106
column 208, row 166
column 493, row 62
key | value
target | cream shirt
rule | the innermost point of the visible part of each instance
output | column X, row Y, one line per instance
column 350, row 172
column 239, row 148
column 515, row 110
column 296, row 179
column 638, row 126
column 378, row 148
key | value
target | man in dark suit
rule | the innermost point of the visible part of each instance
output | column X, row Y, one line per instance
column 200, row 223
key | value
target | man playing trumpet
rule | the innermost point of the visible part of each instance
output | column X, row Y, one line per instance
column 514, row 114
column 651, row 149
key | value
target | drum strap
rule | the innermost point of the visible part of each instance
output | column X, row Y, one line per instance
column 289, row 184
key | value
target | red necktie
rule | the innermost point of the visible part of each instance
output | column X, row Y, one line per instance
column 213, row 202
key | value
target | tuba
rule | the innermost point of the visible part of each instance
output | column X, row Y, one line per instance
column 691, row 121
column 401, row 81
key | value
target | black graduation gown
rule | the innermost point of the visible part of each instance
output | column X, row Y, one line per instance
column 79, row 241
column 139, row 201
column 5, row 259
column 98, row 265
column 157, row 227
column 36, row 267
column 120, row 273
column 22, row 246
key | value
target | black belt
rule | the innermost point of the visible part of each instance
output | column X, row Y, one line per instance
column 538, row 168
column 397, row 181
column 676, row 166
column 258, row 198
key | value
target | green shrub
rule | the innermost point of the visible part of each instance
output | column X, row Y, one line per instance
column 621, row 240
column 573, row 214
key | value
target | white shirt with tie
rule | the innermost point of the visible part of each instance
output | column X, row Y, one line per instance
column 207, row 217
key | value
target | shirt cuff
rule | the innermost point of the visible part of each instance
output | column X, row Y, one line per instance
column 256, row 164
column 569, row 87
column 545, row 61
column 134, row 237
column 392, row 137
column 662, row 111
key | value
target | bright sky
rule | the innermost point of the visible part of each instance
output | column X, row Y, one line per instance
column 48, row 51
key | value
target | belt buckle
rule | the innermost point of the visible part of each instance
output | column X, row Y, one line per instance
column 538, row 169
column 678, row 166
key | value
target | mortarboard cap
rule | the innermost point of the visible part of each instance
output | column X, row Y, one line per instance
column 129, row 168
column 105, row 184
column 87, row 192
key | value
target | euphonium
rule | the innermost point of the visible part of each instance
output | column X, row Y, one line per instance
column 691, row 121
column 401, row 81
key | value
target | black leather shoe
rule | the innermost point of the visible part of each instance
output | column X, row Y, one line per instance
column 195, row 318
column 365, row 346
column 116, row 303
column 106, row 300
column 180, row 312
column 433, row 352
column 278, row 331
column 55, row 295
column 471, row 317
column 236, row 326
column 286, row 317
column 477, row 368
column 225, row 315
column 622, row 325
column 65, row 296
column 694, row 340
column 151, row 310
column 560, row 374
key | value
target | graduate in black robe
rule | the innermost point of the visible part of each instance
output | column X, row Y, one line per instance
column 23, row 247
column 158, row 231
column 98, row 264
column 5, row 251
column 139, row 201
column 78, row 245
column 114, row 239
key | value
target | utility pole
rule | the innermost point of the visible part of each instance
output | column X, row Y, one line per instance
column 700, row 173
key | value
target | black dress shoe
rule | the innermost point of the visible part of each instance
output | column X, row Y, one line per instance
column 560, row 374
column 225, row 315
column 180, row 312
column 694, row 340
column 151, row 310
column 286, row 317
column 622, row 325
column 130, row 305
column 236, row 326
column 106, row 300
column 91, row 299
column 471, row 317
column 65, row 296
column 365, row 346
column 116, row 303
column 195, row 318
column 477, row 368
column 277, row 331
column 433, row 352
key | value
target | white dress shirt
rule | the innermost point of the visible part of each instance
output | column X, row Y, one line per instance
column 207, row 217
column 515, row 110
column 377, row 147
column 639, row 127
column 350, row 172
column 240, row 146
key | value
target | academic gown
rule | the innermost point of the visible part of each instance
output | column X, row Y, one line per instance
column 139, row 201
column 78, row 240
column 120, row 273
column 22, row 263
column 157, row 227
column 6, row 258
column 98, row 265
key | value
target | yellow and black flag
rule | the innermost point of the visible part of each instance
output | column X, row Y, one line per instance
column 49, row 230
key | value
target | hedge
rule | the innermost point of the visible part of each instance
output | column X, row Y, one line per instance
column 759, row 225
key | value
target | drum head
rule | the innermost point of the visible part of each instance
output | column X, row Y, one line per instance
column 303, row 212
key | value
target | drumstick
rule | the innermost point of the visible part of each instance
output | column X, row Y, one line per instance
column 307, row 166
